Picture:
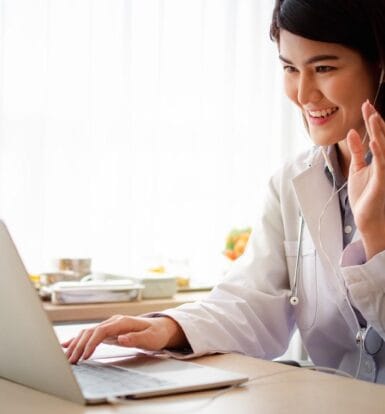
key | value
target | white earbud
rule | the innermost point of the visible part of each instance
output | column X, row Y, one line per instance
column 382, row 76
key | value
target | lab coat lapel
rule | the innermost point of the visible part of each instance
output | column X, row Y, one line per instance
column 313, row 191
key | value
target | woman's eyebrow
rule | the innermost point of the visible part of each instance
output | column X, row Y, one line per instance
column 313, row 59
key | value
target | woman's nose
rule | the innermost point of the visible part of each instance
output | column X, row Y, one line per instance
column 308, row 91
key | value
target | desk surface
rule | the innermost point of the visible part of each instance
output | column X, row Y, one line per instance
column 100, row 311
column 277, row 389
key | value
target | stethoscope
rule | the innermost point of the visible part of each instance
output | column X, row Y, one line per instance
column 294, row 300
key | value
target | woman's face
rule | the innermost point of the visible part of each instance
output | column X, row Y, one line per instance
column 329, row 82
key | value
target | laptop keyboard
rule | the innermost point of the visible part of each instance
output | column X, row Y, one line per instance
column 99, row 380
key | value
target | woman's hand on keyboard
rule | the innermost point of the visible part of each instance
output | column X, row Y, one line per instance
column 147, row 333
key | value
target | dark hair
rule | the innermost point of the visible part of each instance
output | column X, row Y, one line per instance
column 357, row 24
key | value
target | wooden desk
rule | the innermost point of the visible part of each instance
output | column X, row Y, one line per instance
column 278, row 389
column 100, row 311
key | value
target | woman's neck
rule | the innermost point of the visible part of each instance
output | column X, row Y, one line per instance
column 343, row 155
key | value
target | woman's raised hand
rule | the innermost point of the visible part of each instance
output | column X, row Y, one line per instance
column 366, row 182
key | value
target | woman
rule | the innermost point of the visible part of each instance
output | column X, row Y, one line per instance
column 316, row 257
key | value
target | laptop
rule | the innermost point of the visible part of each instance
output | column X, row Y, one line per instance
column 31, row 354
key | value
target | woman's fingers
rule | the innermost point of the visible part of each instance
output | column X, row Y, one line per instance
column 148, row 333
column 83, row 346
column 66, row 343
column 378, row 127
column 381, row 122
column 376, row 130
column 356, row 151
column 71, row 343
column 367, row 110
column 74, row 352
column 377, row 146
column 374, row 123
column 106, row 332
column 375, row 127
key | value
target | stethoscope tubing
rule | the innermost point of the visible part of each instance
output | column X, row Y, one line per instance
column 367, row 338
column 294, row 297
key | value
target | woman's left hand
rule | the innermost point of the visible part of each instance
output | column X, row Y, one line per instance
column 366, row 182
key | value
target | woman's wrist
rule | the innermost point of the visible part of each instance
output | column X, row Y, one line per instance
column 374, row 242
column 177, row 338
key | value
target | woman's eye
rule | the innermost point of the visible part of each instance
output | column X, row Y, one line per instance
column 324, row 69
column 289, row 69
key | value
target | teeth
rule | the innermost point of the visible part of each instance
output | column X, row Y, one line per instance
column 324, row 113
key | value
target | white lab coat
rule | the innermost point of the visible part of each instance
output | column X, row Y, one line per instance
column 249, row 312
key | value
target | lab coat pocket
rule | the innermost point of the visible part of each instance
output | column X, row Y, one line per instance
column 306, row 309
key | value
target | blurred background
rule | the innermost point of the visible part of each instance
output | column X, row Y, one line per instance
column 138, row 132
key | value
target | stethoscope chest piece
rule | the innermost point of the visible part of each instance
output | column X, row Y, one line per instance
column 374, row 342
column 370, row 340
column 294, row 300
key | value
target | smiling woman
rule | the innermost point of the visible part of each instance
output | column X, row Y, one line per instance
column 131, row 131
column 315, row 258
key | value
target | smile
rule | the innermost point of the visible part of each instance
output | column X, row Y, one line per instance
column 324, row 113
